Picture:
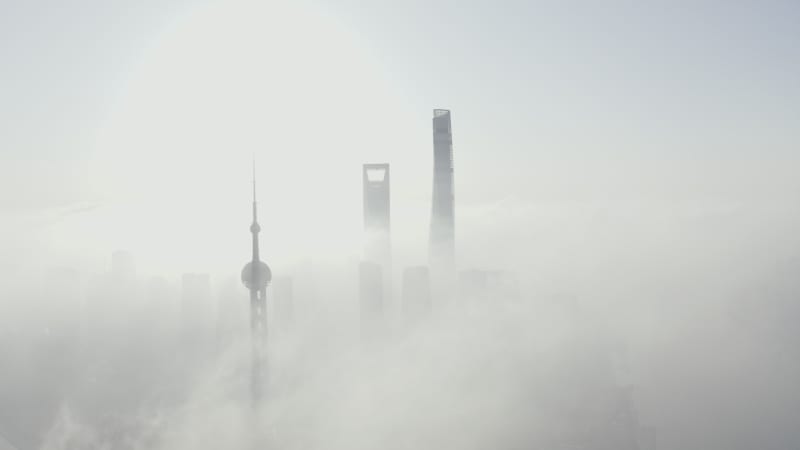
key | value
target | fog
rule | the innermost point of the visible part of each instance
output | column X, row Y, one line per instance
column 679, row 339
column 626, row 216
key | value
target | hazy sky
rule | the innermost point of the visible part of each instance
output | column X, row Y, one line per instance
column 132, row 124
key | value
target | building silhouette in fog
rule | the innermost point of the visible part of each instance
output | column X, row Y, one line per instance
column 492, row 285
column 231, row 313
column 416, row 294
column 197, row 311
column 377, row 220
column 442, row 230
column 282, row 291
column 371, row 300
column 256, row 276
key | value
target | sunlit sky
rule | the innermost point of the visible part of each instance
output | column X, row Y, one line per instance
column 133, row 124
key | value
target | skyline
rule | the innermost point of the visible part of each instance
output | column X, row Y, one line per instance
column 626, row 214
column 574, row 113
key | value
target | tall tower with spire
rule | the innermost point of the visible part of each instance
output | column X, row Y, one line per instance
column 256, row 275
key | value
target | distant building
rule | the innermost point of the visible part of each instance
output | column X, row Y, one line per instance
column 231, row 314
column 416, row 293
column 197, row 311
column 161, row 311
column 476, row 284
column 306, row 293
column 370, row 295
column 283, row 293
column 377, row 220
column 442, row 230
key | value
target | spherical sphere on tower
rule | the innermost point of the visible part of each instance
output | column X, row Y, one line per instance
column 258, row 278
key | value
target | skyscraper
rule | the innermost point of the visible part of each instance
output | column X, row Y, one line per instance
column 256, row 275
column 377, row 221
column 442, row 232
column 377, row 214
column 370, row 294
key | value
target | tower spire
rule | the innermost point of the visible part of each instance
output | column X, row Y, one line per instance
column 255, row 228
column 256, row 275
column 255, row 218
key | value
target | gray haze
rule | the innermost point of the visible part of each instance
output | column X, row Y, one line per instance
column 630, row 165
